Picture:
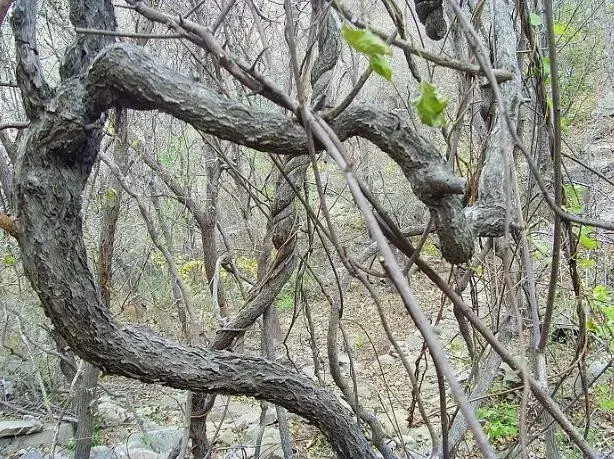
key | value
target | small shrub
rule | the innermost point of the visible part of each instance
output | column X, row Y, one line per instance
column 500, row 422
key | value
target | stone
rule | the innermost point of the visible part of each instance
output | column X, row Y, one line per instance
column 226, row 436
column 102, row 452
column 142, row 453
column 241, row 452
column 221, row 411
column 111, row 415
column 7, row 389
column 16, row 428
column 593, row 370
column 43, row 438
column 159, row 441
column 33, row 454
column 385, row 359
column 252, row 417
column 129, row 452
column 510, row 377
column 605, row 107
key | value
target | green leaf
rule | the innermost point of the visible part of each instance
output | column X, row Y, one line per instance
column 9, row 260
column 562, row 29
column 365, row 42
column 381, row 66
column 606, row 404
column 559, row 28
column 587, row 238
column 574, row 194
column 535, row 19
column 431, row 106
column 601, row 293
column 111, row 194
column 591, row 325
column 587, row 262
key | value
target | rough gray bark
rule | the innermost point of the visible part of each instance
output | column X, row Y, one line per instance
column 85, row 406
column 54, row 159
column 35, row 90
column 488, row 216
column 126, row 75
column 85, row 396
column 430, row 13
column 609, row 39
column 282, row 233
column 6, row 181
column 48, row 194
column 4, row 8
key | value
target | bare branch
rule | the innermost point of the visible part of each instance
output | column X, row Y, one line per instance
column 4, row 8
column 203, row 36
column 14, row 125
column 113, row 33
column 124, row 75
column 34, row 88
column 501, row 75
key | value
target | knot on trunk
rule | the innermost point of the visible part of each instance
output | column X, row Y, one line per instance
column 430, row 13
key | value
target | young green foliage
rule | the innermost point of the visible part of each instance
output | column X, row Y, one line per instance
column 587, row 238
column 431, row 105
column 367, row 43
column 535, row 19
column 500, row 422
column 381, row 66
column 9, row 260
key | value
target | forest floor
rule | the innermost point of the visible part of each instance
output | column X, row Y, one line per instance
column 380, row 379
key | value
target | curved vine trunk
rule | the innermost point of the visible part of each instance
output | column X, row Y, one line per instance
column 54, row 160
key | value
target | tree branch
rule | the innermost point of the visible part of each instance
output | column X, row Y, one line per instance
column 87, row 15
column 113, row 33
column 127, row 75
column 4, row 8
column 438, row 59
column 14, row 125
column 34, row 88
column 49, row 181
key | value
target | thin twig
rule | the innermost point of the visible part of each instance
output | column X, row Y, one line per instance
column 438, row 59
column 14, row 125
column 558, row 182
column 114, row 33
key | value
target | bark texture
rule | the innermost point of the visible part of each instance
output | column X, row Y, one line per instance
column 54, row 159
column 430, row 13
column 127, row 75
column 53, row 162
